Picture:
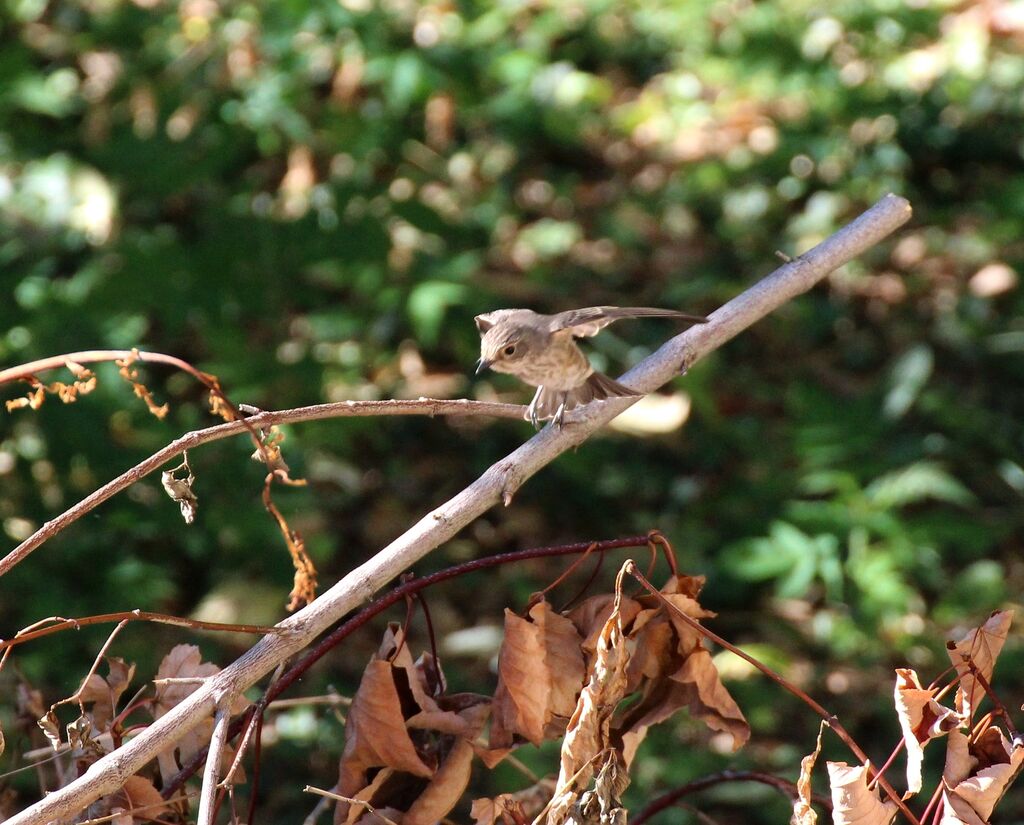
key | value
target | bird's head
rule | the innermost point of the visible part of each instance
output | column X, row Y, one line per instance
column 505, row 340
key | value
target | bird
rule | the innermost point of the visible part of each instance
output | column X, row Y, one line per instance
column 541, row 350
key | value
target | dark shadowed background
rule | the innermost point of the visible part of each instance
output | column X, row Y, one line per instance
column 313, row 199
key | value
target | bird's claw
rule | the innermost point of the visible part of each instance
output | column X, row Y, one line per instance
column 531, row 415
column 559, row 414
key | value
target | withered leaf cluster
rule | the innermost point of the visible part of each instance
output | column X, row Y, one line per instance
column 83, row 383
column 597, row 677
column 981, row 761
column 104, row 721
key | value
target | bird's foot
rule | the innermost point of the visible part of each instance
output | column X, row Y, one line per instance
column 531, row 411
column 559, row 413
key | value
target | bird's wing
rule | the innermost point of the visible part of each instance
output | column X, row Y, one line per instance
column 583, row 323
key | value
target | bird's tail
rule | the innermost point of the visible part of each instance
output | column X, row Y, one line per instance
column 597, row 387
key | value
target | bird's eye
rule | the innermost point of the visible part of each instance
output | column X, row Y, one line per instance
column 510, row 350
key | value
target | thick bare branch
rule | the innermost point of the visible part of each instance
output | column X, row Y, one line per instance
column 498, row 483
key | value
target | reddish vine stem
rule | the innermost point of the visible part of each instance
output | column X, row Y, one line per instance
column 392, row 597
column 669, row 799
column 1000, row 707
column 128, row 616
column 830, row 719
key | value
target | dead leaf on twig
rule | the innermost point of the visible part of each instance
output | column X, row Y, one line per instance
column 412, row 739
column 673, row 669
column 182, row 671
column 803, row 813
column 140, row 800
column 540, row 673
column 84, row 383
column 977, row 775
column 179, row 488
column 514, row 808
column 922, row 719
column 587, row 745
column 304, row 581
column 219, row 404
column 269, row 453
column 445, row 788
column 104, row 694
column 131, row 375
column 853, row 803
column 981, row 647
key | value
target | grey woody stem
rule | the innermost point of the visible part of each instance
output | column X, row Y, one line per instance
column 497, row 484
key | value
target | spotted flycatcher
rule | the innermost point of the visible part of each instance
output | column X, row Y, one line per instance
column 541, row 350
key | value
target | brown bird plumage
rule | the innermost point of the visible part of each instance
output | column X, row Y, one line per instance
column 541, row 350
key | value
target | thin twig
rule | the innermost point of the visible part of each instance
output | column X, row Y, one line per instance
column 209, row 791
column 339, row 798
column 76, row 696
column 322, row 804
column 498, row 484
column 36, row 632
column 254, row 733
column 429, row 407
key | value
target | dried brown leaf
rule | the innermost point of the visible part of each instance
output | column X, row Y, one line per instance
column 977, row 775
column 347, row 813
column 982, row 647
column 921, row 720
column 591, row 615
column 375, row 732
column 709, row 700
column 140, row 799
column 955, row 811
column 853, row 803
column 49, row 724
column 587, row 735
column 84, row 383
column 466, row 723
column 219, row 405
column 104, row 694
column 181, row 662
column 493, row 811
column 672, row 670
column 184, row 662
column 131, row 375
column 445, row 789
column 381, row 816
column 803, row 813
column 654, row 647
column 423, row 678
column 33, row 399
column 179, row 488
column 516, row 808
column 540, row 672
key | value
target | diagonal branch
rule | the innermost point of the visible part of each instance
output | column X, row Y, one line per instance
column 498, row 483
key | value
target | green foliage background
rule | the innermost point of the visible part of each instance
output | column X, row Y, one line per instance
column 312, row 200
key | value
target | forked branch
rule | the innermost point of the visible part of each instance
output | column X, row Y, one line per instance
column 497, row 484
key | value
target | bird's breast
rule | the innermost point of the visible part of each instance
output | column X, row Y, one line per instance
column 559, row 366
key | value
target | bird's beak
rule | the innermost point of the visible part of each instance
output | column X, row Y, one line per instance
column 482, row 364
